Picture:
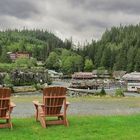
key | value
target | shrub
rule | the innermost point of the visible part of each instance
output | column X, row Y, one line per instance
column 38, row 86
column 8, row 82
column 102, row 92
column 6, row 67
column 119, row 92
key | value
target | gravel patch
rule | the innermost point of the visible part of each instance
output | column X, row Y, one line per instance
column 85, row 108
column 98, row 108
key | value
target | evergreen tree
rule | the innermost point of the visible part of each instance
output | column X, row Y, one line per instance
column 130, row 58
column 121, row 61
column 5, row 58
column 88, row 65
column 137, row 61
column 53, row 61
column 106, row 58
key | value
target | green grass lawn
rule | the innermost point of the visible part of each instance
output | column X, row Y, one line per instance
column 81, row 128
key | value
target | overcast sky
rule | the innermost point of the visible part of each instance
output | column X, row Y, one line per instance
column 81, row 19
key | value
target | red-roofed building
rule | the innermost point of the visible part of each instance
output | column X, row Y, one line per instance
column 17, row 55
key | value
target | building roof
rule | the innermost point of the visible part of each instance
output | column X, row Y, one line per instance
column 100, row 72
column 82, row 75
column 16, row 55
column 134, row 76
column 118, row 74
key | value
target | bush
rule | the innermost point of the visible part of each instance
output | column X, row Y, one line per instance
column 6, row 67
column 8, row 82
column 119, row 92
column 102, row 92
column 38, row 86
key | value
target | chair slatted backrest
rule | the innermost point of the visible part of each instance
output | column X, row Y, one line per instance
column 53, row 98
column 5, row 94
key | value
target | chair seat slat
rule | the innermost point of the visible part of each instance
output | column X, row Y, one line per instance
column 51, row 97
column 52, row 106
column 4, row 108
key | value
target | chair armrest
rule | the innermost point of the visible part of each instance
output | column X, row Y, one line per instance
column 12, row 104
column 36, row 103
column 39, row 108
column 67, row 103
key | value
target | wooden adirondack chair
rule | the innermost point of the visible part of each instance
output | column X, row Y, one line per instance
column 6, row 107
column 54, row 101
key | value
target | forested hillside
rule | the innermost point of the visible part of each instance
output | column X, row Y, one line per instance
column 42, row 46
column 118, row 49
column 39, row 43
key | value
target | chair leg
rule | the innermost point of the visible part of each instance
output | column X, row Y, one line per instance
column 10, row 125
column 8, row 121
column 36, row 114
column 42, row 121
column 66, row 123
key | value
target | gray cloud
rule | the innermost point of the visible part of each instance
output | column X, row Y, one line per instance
column 132, row 6
column 18, row 8
column 81, row 19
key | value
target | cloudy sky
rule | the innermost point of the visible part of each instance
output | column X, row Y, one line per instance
column 81, row 19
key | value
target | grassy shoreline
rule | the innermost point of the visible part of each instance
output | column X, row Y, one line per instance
column 26, row 98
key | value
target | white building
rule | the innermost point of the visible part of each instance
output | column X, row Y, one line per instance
column 133, row 81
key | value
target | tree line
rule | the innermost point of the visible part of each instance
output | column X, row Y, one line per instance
column 38, row 43
column 118, row 49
